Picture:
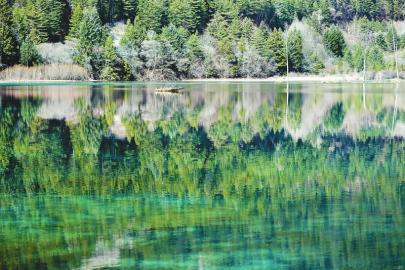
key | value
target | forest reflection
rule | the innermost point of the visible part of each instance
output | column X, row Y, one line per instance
column 279, row 172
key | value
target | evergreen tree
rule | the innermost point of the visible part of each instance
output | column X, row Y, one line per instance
column 257, row 10
column 294, row 50
column 28, row 53
column 325, row 11
column 260, row 41
column 285, row 11
column 111, row 67
column 277, row 48
column 134, row 35
column 194, row 47
column 357, row 57
column 75, row 21
column 110, row 11
column 241, row 29
column 49, row 19
column 90, row 35
column 226, row 8
column 8, row 43
column 367, row 8
column 151, row 15
column 129, row 9
column 375, row 58
column 175, row 37
column 334, row 40
column 218, row 27
column 190, row 14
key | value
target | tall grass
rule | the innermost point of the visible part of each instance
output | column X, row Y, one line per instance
column 45, row 72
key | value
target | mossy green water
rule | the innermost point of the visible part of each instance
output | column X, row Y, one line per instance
column 224, row 176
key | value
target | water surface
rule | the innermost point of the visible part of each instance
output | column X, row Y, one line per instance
column 222, row 176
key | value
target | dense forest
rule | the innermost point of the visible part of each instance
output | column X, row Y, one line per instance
column 175, row 39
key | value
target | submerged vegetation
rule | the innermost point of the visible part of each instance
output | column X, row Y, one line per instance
column 172, row 39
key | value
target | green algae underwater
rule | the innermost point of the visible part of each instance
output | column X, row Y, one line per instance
column 220, row 176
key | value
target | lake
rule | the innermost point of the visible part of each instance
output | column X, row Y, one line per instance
column 224, row 175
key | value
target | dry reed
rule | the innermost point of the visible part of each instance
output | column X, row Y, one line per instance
column 45, row 72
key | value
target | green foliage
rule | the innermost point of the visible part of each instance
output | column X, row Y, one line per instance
column 29, row 55
column 366, row 8
column 133, row 34
column 90, row 35
column 316, row 65
column 111, row 68
column 42, row 20
column 294, row 49
column 260, row 41
column 334, row 40
column 190, row 14
column 375, row 59
column 334, row 118
column 174, row 36
column 129, row 9
column 151, row 15
column 75, row 21
column 87, row 134
column 226, row 8
column 7, row 119
column 325, row 11
column 391, row 38
column 357, row 57
column 285, row 11
column 194, row 47
column 258, row 10
column 277, row 47
column 218, row 26
column 373, row 56
column 234, row 33
column 8, row 43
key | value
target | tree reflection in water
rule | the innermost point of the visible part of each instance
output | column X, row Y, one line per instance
column 231, row 176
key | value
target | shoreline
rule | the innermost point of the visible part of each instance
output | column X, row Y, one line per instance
column 341, row 78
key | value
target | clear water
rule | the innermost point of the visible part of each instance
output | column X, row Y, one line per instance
column 221, row 176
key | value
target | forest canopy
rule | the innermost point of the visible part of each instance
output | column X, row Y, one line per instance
column 174, row 39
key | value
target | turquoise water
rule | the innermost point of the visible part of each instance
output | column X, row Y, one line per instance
column 221, row 176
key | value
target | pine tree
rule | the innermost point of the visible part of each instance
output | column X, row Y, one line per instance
column 278, row 49
column 325, row 9
column 294, row 49
column 285, row 11
column 218, row 27
column 48, row 19
column 111, row 69
column 334, row 40
column 133, row 35
column 91, row 34
column 194, row 47
column 260, row 41
column 75, row 20
column 8, row 43
column 257, row 10
column 28, row 53
column 190, row 14
column 151, row 15
column 175, row 37
column 110, row 11
column 129, row 7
